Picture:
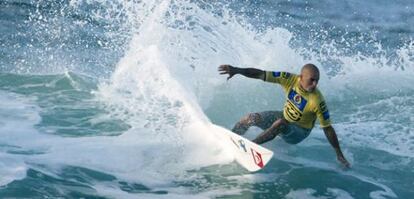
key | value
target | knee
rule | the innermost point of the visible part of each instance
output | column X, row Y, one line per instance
column 251, row 118
column 280, row 123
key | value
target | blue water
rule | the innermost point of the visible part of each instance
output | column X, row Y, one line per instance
column 116, row 99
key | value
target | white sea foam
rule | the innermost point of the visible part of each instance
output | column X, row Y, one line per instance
column 17, row 116
column 309, row 194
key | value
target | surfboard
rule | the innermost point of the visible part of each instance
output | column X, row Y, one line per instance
column 248, row 154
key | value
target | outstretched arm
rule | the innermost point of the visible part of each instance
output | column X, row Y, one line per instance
column 248, row 72
column 333, row 139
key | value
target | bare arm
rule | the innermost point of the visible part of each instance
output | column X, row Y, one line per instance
column 248, row 72
column 333, row 139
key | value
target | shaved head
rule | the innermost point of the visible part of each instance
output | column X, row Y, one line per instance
column 309, row 68
column 309, row 77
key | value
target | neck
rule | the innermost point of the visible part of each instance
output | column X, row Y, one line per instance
column 302, row 89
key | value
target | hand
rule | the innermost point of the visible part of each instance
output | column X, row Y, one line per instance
column 343, row 161
column 227, row 69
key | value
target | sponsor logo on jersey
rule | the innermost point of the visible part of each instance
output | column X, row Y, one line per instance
column 292, row 111
column 257, row 157
column 276, row 74
column 325, row 115
column 285, row 75
column 324, row 109
column 322, row 106
column 297, row 100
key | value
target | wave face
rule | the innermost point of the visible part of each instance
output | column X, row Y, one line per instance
column 116, row 99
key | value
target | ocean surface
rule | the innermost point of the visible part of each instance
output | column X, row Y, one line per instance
column 117, row 99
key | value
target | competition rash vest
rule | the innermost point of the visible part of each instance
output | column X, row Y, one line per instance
column 301, row 107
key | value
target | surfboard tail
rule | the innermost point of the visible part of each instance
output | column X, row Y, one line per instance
column 249, row 155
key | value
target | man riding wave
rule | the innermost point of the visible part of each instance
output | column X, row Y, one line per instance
column 304, row 104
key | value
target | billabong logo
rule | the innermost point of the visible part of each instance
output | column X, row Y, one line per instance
column 257, row 157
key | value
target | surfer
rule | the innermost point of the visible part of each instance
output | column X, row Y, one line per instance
column 304, row 103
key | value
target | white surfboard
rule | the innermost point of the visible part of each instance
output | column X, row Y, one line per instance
column 251, row 156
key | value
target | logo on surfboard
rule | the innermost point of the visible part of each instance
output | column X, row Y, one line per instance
column 240, row 144
column 257, row 157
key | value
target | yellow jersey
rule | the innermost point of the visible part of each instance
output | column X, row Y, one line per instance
column 301, row 107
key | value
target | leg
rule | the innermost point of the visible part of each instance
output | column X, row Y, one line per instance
column 246, row 122
column 270, row 133
column 295, row 134
column 263, row 120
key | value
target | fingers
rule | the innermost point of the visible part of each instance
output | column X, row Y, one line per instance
column 224, row 69
column 347, row 165
column 344, row 162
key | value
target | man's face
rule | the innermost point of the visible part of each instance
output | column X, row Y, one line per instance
column 309, row 80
